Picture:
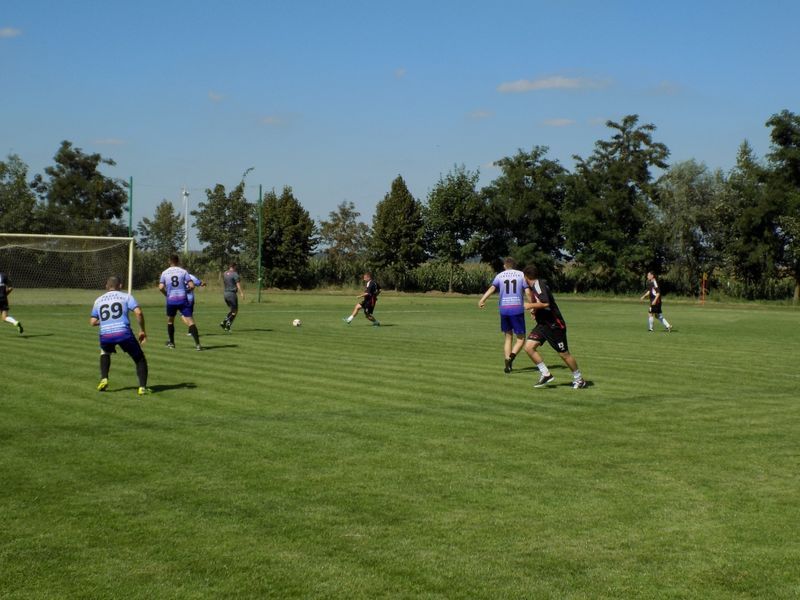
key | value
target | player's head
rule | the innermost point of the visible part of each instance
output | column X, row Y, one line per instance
column 232, row 266
column 367, row 275
column 174, row 260
column 114, row 282
column 650, row 276
column 509, row 263
column 531, row 273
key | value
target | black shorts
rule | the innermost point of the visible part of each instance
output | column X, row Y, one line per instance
column 555, row 336
column 232, row 300
column 655, row 309
column 3, row 304
column 368, row 304
column 130, row 346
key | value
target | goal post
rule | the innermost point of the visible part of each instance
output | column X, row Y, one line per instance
column 65, row 261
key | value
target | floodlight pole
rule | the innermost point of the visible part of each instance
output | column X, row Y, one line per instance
column 260, row 242
column 185, row 194
column 130, row 207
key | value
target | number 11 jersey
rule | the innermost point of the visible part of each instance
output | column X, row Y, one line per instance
column 511, row 285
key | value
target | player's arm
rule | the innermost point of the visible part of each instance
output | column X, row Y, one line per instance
column 240, row 290
column 94, row 321
column 9, row 289
column 482, row 302
column 162, row 288
column 646, row 293
column 137, row 312
column 536, row 305
column 656, row 298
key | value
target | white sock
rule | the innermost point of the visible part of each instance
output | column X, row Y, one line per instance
column 664, row 322
column 543, row 368
column 11, row 320
column 650, row 323
column 350, row 318
column 576, row 375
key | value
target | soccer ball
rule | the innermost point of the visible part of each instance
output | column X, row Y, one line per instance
column 296, row 323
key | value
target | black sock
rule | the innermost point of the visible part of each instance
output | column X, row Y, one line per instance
column 141, row 372
column 105, row 365
column 512, row 356
column 171, row 333
column 231, row 317
column 195, row 334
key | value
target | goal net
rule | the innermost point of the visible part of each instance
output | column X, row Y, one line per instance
column 65, row 261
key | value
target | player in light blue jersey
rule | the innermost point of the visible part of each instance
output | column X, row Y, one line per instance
column 175, row 284
column 110, row 314
column 190, row 292
column 511, row 285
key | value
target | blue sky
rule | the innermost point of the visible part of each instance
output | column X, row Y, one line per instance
column 337, row 98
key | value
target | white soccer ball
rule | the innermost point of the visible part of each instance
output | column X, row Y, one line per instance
column 297, row 323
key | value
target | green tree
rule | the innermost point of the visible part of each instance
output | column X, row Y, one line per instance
column 344, row 237
column 17, row 200
column 608, row 203
column 784, row 160
column 747, row 224
column 452, row 216
column 164, row 234
column 77, row 198
column 222, row 223
column 398, row 233
column 521, row 212
column 683, row 223
column 289, row 240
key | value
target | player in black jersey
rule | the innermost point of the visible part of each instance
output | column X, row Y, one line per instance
column 655, row 303
column 550, row 328
column 366, row 301
column 5, row 290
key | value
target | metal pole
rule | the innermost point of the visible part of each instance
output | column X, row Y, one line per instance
column 185, row 194
column 260, row 241
column 130, row 207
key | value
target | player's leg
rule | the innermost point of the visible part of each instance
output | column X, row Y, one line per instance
column 369, row 308
column 664, row 321
column 518, row 327
column 535, row 340
column 558, row 341
column 10, row 320
column 232, row 302
column 134, row 350
column 171, row 312
column 188, row 318
column 105, row 365
column 357, row 308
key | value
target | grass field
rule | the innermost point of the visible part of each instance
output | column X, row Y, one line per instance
column 330, row 461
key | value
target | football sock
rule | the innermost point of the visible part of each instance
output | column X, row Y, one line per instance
column 10, row 319
column 171, row 333
column 350, row 318
column 650, row 323
column 141, row 372
column 543, row 368
column 664, row 322
column 576, row 375
column 105, row 365
column 511, row 357
column 195, row 334
column 230, row 319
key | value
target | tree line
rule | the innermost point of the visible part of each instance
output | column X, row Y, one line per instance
column 621, row 211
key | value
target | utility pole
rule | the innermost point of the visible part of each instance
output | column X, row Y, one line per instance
column 185, row 194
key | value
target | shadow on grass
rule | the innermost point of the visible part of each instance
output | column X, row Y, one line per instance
column 185, row 385
column 237, row 331
column 35, row 335
column 220, row 347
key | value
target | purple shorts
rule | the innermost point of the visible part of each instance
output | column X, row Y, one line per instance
column 515, row 323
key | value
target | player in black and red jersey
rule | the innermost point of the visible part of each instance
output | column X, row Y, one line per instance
column 655, row 303
column 550, row 328
column 366, row 301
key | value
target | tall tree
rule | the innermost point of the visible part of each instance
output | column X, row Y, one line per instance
column 222, row 223
column 608, row 203
column 521, row 211
column 164, row 234
column 17, row 200
column 686, row 196
column 398, row 233
column 343, row 235
column 748, row 223
column 784, row 159
column 77, row 198
column 289, row 239
column 452, row 216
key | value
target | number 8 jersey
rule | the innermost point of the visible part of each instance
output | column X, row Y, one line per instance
column 111, row 309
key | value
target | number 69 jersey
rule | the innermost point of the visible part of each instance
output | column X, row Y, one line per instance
column 111, row 309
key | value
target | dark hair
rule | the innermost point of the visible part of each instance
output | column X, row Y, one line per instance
column 509, row 262
column 368, row 273
column 531, row 272
column 232, row 265
column 113, row 282
column 174, row 259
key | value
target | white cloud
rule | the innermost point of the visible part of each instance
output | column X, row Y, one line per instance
column 480, row 114
column 215, row 97
column 556, row 82
column 558, row 122
column 400, row 73
column 9, row 32
column 666, row 88
column 108, row 142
